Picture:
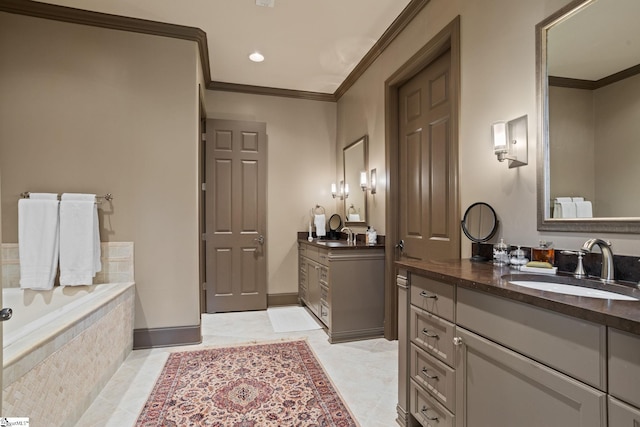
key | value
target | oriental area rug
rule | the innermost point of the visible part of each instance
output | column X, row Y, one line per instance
column 256, row 385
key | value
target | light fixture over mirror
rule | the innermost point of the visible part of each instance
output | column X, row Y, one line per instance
column 588, row 76
column 355, row 162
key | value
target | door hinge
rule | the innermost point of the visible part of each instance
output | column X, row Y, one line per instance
column 203, row 137
column 204, row 236
column 204, row 286
column 204, row 186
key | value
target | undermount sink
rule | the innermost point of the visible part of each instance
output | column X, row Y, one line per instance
column 581, row 291
column 335, row 243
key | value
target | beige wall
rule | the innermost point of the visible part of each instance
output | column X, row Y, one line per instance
column 94, row 110
column 498, row 83
column 617, row 148
column 301, row 167
column 572, row 144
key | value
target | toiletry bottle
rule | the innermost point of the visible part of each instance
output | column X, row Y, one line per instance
column 544, row 252
column 366, row 236
column 500, row 253
column 373, row 236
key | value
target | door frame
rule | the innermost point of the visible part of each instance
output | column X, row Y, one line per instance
column 447, row 38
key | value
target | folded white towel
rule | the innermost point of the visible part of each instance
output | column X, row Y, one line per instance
column 79, row 239
column 577, row 199
column 354, row 217
column 564, row 210
column 563, row 199
column 584, row 209
column 38, row 232
column 320, row 221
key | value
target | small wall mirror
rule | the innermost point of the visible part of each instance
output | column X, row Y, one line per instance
column 355, row 162
column 479, row 224
column 588, row 69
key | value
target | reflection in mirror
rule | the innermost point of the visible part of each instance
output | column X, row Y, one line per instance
column 479, row 224
column 355, row 162
column 588, row 56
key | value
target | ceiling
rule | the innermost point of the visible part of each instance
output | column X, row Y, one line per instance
column 308, row 45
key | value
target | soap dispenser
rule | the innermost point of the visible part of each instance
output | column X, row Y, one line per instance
column 500, row 253
column 373, row 236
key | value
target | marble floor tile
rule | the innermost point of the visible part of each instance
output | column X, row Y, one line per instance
column 365, row 373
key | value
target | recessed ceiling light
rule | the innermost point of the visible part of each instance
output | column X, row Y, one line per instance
column 256, row 57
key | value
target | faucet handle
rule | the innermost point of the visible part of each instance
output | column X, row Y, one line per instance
column 579, row 271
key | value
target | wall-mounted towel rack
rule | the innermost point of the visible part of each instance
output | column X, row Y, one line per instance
column 318, row 210
column 99, row 199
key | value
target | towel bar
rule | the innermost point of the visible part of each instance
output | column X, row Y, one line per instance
column 107, row 197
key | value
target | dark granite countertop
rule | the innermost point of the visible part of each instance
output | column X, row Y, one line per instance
column 623, row 315
column 340, row 244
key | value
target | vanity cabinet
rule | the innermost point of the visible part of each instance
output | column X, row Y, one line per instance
column 513, row 363
column 624, row 379
column 344, row 288
column 472, row 359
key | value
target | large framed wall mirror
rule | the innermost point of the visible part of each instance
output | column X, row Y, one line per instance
column 355, row 157
column 588, row 72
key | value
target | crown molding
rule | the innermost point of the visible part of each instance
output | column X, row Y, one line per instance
column 271, row 91
column 396, row 27
column 143, row 26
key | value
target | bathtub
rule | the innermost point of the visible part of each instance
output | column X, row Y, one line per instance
column 61, row 347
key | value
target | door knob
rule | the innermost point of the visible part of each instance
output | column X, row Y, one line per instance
column 400, row 246
column 457, row 341
column 259, row 239
column 5, row 314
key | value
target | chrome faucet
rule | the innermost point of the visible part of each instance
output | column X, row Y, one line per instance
column 350, row 235
column 607, row 272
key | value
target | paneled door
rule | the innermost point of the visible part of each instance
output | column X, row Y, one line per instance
column 235, row 216
column 428, row 188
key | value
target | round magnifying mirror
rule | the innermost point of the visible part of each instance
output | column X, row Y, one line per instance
column 335, row 224
column 479, row 224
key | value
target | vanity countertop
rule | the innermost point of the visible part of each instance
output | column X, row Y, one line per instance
column 339, row 244
column 623, row 315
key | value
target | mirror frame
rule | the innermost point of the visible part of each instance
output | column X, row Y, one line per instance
column 466, row 231
column 629, row 225
column 365, row 152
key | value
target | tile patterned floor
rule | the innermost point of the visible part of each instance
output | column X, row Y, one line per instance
column 364, row 372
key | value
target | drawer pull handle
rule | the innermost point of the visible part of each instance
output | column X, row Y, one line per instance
column 425, row 372
column 424, row 294
column 426, row 415
column 430, row 334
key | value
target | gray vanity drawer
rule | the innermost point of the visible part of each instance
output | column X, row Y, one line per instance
column 433, row 334
column 621, row 414
column 323, row 256
column 433, row 296
column 624, row 366
column 426, row 410
column 310, row 252
column 434, row 376
column 574, row 346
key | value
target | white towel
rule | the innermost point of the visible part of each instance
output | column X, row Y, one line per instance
column 584, row 210
column 563, row 199
column 319, row 221
column 354, row 217
column 577, row 199
column 79, row 239
column 38, row 225
column 564, row 210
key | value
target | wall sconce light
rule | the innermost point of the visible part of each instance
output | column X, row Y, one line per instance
column 510, row 141
column 363, row 181
column 344, row 190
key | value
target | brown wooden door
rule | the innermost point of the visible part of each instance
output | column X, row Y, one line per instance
column 235, row 216
column 428, row 189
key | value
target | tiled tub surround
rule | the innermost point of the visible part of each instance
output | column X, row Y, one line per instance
column 53, row 373
column 116, row 258
column 63, row 345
